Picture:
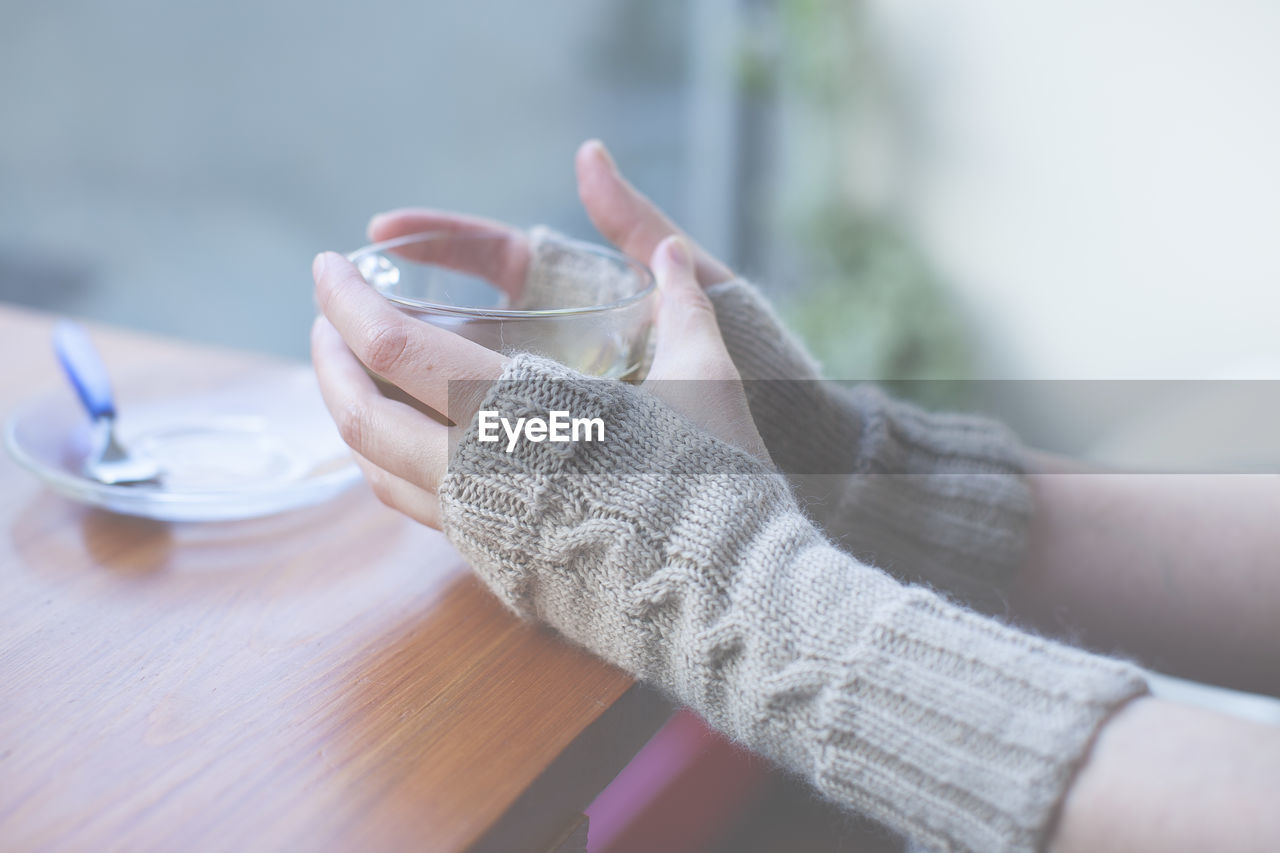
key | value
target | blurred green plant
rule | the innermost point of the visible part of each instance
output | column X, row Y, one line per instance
column 868, row 303
column 871, row 308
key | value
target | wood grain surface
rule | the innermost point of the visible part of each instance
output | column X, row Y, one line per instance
column 327, row 679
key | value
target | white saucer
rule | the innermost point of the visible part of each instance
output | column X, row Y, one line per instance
column 251, row 448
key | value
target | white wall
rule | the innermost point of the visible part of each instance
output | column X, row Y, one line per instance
column 1100, row 180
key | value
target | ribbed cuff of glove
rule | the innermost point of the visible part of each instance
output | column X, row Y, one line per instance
column 687, row 562
column 933, row 498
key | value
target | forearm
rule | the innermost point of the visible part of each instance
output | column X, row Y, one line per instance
column 688, row 563
column 1168, row 778
column 1180, row 571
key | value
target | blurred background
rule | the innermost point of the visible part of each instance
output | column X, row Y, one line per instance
column 930, row 189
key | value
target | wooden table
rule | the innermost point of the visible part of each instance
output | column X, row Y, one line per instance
column 332, row 678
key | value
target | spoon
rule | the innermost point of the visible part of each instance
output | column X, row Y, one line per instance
column 108, row 461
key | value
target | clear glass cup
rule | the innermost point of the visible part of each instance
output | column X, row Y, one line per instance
column 583, row 305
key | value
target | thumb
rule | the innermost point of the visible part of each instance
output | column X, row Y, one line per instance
column 689, row 345
column 625, row 217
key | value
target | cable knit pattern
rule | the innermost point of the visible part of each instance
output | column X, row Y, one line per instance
column 933, row 498
column 688, row 563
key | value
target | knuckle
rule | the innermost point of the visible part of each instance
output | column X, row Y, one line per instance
column 353, row 426
column 386, row 344
column 431, row 477
column 693, row 301
column 718, row 367
column 630, row 232
column 725, row 369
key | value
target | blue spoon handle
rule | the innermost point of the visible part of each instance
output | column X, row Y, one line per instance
column 84, row 367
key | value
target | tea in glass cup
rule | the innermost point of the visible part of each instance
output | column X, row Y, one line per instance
column 583, row 305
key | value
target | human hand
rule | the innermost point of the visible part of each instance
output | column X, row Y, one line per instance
column 618, row 210
column 403, row 452
column 627, row 218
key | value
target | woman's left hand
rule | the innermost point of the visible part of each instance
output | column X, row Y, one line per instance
column 404, row 453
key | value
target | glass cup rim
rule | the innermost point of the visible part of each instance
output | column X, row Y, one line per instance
column 646, row 276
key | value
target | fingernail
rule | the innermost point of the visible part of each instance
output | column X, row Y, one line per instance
column 318, row 264
column 374, row 221
column 600, row 152
column 677, row 252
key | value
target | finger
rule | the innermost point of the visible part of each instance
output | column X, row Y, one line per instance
column 490, row 249
column 412, row 354
column 416, row 220
column 689, row 347
column 401, row 495
column 626, row 218
column 390, row 434
column 688, row 339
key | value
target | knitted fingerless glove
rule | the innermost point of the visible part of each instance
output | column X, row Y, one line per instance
column 937, row 499
column 687, row 562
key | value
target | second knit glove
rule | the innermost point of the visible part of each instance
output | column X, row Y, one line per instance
column 933, row 498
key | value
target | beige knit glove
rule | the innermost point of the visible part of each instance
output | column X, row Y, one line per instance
column 687, row 562
column 933, row 498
